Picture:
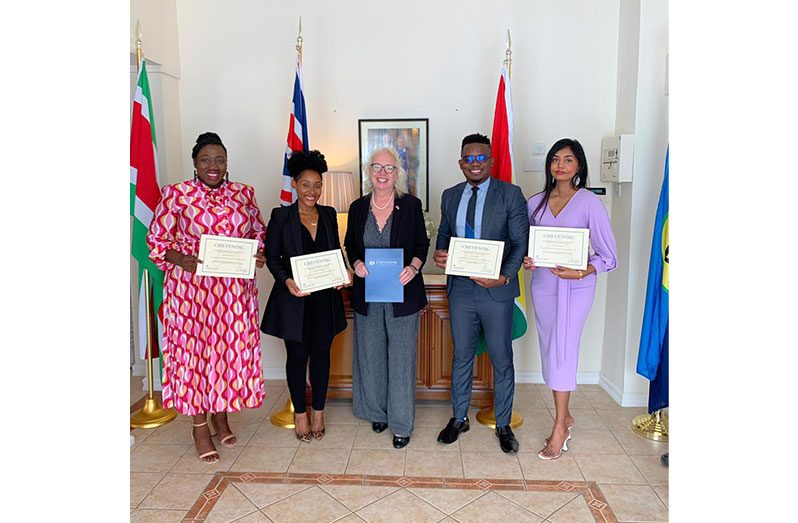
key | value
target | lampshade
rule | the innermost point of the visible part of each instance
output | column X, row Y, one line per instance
column 338, row 190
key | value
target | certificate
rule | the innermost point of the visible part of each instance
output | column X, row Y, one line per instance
column 227, row 257
column 563, row 246
column 321, row 270
column 478, row 258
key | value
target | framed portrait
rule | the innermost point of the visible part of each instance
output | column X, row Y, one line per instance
column 410, row 138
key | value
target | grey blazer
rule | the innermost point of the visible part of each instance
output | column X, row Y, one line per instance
column 504, row 217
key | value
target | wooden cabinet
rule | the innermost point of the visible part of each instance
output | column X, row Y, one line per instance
column 434, row 365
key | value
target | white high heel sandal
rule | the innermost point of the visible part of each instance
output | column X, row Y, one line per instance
column 564, row 448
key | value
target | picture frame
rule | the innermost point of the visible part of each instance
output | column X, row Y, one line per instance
column 410, row 137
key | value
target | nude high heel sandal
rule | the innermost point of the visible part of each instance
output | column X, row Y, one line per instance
column 206, row 454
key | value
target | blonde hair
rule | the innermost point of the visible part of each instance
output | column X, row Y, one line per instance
column 400, row 187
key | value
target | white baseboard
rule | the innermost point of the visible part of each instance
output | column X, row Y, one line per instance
column 610, row 389
column 274, row 373
column 629, row 399
column 584, row 378
column 156, row 385
column 139, row 366
column 637, row 399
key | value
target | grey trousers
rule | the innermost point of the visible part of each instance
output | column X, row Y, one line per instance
column 471, row 306
column 384, row 368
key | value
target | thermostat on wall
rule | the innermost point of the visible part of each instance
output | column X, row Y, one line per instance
column 617, row 158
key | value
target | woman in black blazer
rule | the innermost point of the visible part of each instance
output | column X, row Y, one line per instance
column 307, row 322
column 384, row 356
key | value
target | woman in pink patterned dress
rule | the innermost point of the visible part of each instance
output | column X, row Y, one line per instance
column 211, row 352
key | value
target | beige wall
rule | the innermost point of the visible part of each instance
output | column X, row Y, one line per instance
column 642, row 110
column 233, row 65
column 158, row 19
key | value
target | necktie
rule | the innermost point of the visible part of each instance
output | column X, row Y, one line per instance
column 470, row 212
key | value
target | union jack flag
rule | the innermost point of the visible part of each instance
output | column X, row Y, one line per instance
column 297, row 134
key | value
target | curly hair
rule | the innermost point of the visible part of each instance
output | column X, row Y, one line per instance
column 301, row 161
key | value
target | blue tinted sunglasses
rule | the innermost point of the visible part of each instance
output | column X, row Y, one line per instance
column 481, row 158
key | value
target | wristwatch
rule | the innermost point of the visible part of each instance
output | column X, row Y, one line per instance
column 506, row 279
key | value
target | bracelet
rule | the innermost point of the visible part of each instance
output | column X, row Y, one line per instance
column 413, row 267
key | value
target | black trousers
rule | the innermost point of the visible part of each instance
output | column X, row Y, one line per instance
column 317, row 338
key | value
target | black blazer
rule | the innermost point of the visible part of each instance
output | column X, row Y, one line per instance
column 407, row 232
column 284, row 313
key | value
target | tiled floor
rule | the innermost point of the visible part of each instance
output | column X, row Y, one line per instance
column 353, row 474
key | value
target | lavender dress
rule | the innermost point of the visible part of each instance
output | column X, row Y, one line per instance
column 562, row 306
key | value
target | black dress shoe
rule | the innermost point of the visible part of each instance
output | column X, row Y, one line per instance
column 507, row 440
column 453, row 430
column 378, row 426
column 400, row 442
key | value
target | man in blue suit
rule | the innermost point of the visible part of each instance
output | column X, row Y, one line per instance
column 483, row 208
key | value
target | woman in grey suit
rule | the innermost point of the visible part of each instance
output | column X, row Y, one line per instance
column 384, row 358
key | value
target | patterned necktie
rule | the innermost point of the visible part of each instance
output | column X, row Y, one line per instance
column 470, row 212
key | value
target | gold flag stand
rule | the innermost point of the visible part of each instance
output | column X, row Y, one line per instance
column 151, row 415
column 487, row 416
column 652, row 426
column 285, row 417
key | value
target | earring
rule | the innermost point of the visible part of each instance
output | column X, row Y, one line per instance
column 576, row 180
column 553, row 182
column 195, row 175
column 227, row 176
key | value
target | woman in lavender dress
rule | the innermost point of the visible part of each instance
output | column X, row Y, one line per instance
column 562, row 297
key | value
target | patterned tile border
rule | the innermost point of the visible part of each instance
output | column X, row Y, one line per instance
column 593, row 496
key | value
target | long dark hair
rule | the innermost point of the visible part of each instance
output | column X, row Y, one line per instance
column 550, row 183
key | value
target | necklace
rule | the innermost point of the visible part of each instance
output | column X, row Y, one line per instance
column 387, row 203
column 316, row 213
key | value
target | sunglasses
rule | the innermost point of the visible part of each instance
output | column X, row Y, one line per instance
column 469, row 159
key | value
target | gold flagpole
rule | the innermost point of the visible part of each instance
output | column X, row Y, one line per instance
column 285, row 417
column 487, row 416
column 508, row 56
column 138, row 44
column 151, row 415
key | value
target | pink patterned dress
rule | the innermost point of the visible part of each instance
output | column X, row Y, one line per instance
column 211, row 352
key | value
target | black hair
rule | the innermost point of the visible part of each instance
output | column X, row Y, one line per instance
column 475, row 138
column 206, row 139
column 550, row 183
column 301, row 161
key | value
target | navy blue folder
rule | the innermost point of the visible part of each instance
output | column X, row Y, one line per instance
column 382, row 282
